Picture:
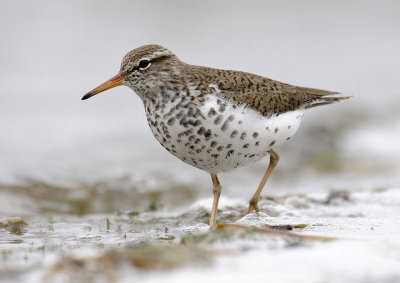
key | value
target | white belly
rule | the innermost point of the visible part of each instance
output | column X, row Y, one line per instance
column 221, row 137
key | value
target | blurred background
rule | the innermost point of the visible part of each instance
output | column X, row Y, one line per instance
column 53, row 52
column 79, row 179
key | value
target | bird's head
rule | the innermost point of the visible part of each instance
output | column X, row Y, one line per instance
column 143, row 70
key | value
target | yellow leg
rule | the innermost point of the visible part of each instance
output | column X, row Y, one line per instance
column 273, row 161
column 217, row 193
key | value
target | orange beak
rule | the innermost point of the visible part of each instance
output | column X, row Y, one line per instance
column 113, row 82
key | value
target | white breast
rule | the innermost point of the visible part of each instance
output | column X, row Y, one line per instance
column 256, row 134
column 223, row 136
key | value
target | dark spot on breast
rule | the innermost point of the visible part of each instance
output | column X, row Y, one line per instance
column 243, row 136
column 251, row 155
column 197, row 113
column 197, row 141
column 201, row 131
column 289, row 126
column 257, row 143
column 267, row 128
column 178, row 106
column 288, row 138
column 218, row 119
column 222, row 108
column 194, row 123
column 185, row 133
column 255, row 135
column 240, row 122
column 246, row 145
column 272, row 143
column 227, row 121
column 276, row 130
column 215, row 155
column 184, row 122
column 211, row 112
column 234, row 134
column 229, row 153
column 180, row 114
column 225, row 126
column 207, row 134
column 191, row 112
column 229, row 146
column 213, row 143
column 220, row 148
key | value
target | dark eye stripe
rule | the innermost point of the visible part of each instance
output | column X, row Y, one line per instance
column 137, row 67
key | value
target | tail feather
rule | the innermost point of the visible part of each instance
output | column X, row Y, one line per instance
column 318, row 97
column 324, row 100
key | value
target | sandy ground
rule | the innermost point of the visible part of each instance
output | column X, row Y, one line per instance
column 340, row 236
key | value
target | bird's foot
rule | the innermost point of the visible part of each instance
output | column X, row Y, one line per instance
column 253, row 206
column 212, row 227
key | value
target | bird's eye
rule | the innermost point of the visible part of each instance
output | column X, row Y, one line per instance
column 144, row 64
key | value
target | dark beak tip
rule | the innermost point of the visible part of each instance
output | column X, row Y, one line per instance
column 86, row 96
column 117, row 80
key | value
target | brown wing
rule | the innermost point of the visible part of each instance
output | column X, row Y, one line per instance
column 265, row 95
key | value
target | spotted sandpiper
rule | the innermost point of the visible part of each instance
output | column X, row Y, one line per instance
column 215, row 120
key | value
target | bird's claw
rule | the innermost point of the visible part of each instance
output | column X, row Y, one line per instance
column 253, row 206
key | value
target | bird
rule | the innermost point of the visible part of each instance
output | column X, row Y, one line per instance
column 214, row 119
